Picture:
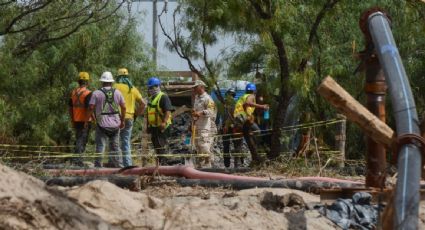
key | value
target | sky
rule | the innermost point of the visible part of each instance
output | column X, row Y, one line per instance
column 167, row 59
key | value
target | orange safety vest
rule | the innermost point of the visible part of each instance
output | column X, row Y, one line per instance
column 79, row 110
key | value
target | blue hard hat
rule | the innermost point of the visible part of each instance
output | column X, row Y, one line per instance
column 250, row 87
column 153, row 81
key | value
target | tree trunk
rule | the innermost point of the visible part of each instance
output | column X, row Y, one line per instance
column 284, row 97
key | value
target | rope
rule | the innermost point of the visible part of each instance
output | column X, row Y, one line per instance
column 177, row 140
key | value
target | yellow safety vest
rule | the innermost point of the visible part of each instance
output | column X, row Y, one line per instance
column 155, row 113
column 239, row 107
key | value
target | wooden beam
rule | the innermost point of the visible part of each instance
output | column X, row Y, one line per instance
column 356, row 112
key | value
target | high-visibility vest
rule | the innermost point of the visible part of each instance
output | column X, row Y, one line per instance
column 241, row 110
column 155, row 113
column 79, row 110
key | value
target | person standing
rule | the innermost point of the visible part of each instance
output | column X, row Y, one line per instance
column 245, row 119
column 262, row 118
column 204, row 114
column 228, row 126
column 159, row 118
column 78, row 105
column 109, row 106
column 132, row 97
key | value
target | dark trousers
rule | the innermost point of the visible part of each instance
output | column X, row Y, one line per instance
column 81, row 139
column 266, row 137
column 250, row 133
column 160, row 142
column 236, row 139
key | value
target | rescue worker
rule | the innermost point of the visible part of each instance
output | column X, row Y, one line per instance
column 159, row 118
column 109, row 106
column 262, row 118
column 132, row 98
column 245, row 120
column 228, row 126
column 78, row 105
column 204, row 113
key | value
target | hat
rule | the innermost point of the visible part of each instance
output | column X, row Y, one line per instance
column 83, row 76
column 122, row 72
column 199, row 82
column 106, row 77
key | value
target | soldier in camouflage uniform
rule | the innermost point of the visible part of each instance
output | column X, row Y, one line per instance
column 204, row 114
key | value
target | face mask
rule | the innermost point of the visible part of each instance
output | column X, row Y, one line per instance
column 153, row 91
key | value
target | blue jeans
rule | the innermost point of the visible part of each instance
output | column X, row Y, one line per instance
column 102, row 137
column 125, row 140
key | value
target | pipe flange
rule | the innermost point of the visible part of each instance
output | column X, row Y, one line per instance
column 409, row 138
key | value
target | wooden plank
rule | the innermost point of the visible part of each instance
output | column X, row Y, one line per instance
column 356, row 112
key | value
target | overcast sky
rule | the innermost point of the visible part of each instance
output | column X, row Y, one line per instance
column 168, row 59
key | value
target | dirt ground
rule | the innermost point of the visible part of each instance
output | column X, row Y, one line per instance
column 173, row 207
column 27, row 203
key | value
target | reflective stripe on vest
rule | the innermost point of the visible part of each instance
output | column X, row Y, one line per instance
column 239, row 107
column 79, row 110
column 155, row 113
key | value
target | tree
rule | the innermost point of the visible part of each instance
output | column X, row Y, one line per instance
column 35, row 86
column 41, row 21
column 303, row 41
column 195, row 19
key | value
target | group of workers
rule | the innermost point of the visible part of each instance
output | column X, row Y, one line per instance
column 114, row 106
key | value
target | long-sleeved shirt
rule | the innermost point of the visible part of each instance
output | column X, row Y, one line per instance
column 205, row 104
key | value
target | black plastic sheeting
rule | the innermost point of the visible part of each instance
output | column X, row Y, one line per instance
column 357, row 212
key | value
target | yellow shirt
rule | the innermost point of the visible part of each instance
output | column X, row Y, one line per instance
column 130, row 97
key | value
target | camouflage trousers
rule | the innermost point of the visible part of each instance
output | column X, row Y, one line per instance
column 203, row 143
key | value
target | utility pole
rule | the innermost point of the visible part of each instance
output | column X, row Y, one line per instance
column 155, row 25
column 154, row 32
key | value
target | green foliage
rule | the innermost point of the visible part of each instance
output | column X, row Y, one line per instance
column 331, row 50
column 36, row 86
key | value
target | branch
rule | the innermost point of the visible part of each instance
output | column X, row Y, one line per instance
column 203, row 32
column 313, row 31
column 23, row 14
column 6, row 3
column 176, row 45
column 260, row 11
column 38, row 41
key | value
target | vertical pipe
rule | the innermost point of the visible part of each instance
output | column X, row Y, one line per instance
column 409, row 157
column 375, row 88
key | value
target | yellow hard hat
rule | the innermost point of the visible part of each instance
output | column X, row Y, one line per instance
column 122, row 71
column 83, row 76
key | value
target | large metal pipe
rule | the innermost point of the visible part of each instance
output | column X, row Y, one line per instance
column 375, row 88
column 409, row 157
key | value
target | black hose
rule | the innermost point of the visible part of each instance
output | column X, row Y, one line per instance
column 128, row 182
column 307, row 186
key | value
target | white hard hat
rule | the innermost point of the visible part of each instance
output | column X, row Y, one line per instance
column 106, row 77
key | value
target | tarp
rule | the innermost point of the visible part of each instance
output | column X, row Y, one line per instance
column 357, row 212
